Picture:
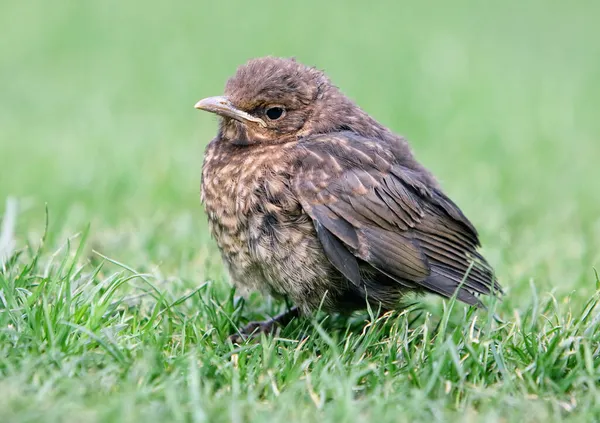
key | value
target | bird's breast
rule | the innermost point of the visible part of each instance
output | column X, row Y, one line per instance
column 253, row 215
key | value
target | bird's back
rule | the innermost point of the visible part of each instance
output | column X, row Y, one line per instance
column 374, row 211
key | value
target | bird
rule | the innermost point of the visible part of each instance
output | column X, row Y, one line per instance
column 312, row 200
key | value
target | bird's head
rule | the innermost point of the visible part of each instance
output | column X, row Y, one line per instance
column 274, row 100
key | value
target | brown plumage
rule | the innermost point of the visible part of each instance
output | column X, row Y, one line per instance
column 310, row 198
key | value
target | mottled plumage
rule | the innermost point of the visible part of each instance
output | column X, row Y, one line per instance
column 310, row 198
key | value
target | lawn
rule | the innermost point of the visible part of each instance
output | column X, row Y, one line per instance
column 114, row 304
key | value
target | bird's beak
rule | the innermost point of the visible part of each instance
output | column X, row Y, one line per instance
column 223, row 107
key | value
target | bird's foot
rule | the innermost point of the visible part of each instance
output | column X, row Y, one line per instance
column 270, row 326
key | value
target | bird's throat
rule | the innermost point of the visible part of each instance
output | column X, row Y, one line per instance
column 234, row 132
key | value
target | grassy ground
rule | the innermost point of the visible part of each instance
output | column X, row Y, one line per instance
column 118, row 308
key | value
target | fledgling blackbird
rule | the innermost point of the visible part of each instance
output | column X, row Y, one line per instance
column 310, row 198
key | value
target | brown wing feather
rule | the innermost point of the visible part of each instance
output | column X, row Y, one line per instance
column 364, row 202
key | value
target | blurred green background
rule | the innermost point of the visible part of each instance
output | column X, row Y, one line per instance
column 500, row 100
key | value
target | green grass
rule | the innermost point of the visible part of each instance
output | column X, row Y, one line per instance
column 117, row 308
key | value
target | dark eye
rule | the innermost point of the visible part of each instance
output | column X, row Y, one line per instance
column 275, row 112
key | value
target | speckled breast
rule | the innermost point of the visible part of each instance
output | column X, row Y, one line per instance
column 267, row 241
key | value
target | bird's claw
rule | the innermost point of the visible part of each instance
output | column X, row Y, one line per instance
column 253, row 330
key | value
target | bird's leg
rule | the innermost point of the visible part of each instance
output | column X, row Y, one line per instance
column 254, row 329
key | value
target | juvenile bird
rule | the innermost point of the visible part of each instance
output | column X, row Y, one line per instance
column 310, row 198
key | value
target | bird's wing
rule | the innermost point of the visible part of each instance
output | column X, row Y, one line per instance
column 368, row 207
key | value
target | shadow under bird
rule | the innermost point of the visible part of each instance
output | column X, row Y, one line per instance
column 310, row 198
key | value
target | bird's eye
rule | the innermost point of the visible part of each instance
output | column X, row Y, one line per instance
column 275, row 112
